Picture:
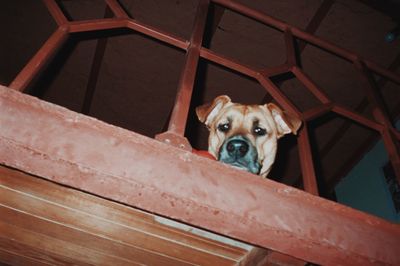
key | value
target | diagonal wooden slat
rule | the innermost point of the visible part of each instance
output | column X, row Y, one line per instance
column 40, row 60
column 55, row 12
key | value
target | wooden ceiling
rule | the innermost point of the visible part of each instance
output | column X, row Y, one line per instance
column 47, row 224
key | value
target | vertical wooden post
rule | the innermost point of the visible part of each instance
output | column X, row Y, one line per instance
column 306, row 162
column 177, row 123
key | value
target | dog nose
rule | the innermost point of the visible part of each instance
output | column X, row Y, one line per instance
column 237, row 148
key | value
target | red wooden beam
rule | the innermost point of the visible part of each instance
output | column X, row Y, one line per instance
column 96, row 24
column 122, row 21
column 305, row 36
column 40, row 59
column 356, row 117
column 316, row 20
column 341, row 131
column 54, row 43
column 310, row 85
column 311, row 28
column 228, row 62
column 359, row 153
column 60, row 145
column 317, row 111
column 278, row 95
column 157, row 34
column 275, row 70
column 55, row 12
column 382, row 71
column 306, row 162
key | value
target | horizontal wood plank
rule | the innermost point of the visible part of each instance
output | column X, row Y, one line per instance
column 52, row 250
column 36, row 205
column 19, row 258
column 89, row 206
column 78, row 237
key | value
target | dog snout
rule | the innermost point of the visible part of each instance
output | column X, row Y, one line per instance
column 238, row 151
column 237, row 148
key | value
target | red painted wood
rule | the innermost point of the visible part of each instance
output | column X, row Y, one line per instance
column 311, row 86
column 380, row 115
column 317, row 111
column 205, row 154
column 55, row 12
column 275, row 70
column 177, row 123
column 228, row 62
column 84, row 153
column 306, row 162
column 54, row 214
column 278, row 95
column 305, row 36
column 359, row 118
column 40, row 59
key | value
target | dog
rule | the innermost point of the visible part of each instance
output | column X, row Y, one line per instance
column 245, row 136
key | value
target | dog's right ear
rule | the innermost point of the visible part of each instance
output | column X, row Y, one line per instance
column 207, row 112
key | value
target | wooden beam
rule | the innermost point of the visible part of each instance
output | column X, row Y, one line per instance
column 306, row 162
column 40, row 60
column 89, row 155
column 305, row 36
column 289, row 42
column 316, row 20
column 55, row 12
column 341, row 131
column 381, row 115
column 180, row 111
column 357, row 155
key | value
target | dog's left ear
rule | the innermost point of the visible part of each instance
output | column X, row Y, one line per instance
column 285, row 123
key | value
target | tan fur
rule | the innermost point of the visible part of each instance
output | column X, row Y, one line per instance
column 241, row 117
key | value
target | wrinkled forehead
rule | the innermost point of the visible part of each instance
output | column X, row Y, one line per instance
column 246, row 114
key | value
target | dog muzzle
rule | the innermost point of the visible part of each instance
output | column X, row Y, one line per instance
column 240, row 153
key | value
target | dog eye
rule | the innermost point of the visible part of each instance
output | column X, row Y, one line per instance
column 224, row 127
column 259, row 131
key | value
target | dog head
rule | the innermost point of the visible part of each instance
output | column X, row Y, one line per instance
column 245, row 136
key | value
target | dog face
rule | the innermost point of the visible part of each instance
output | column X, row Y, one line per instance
column 245, row 136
